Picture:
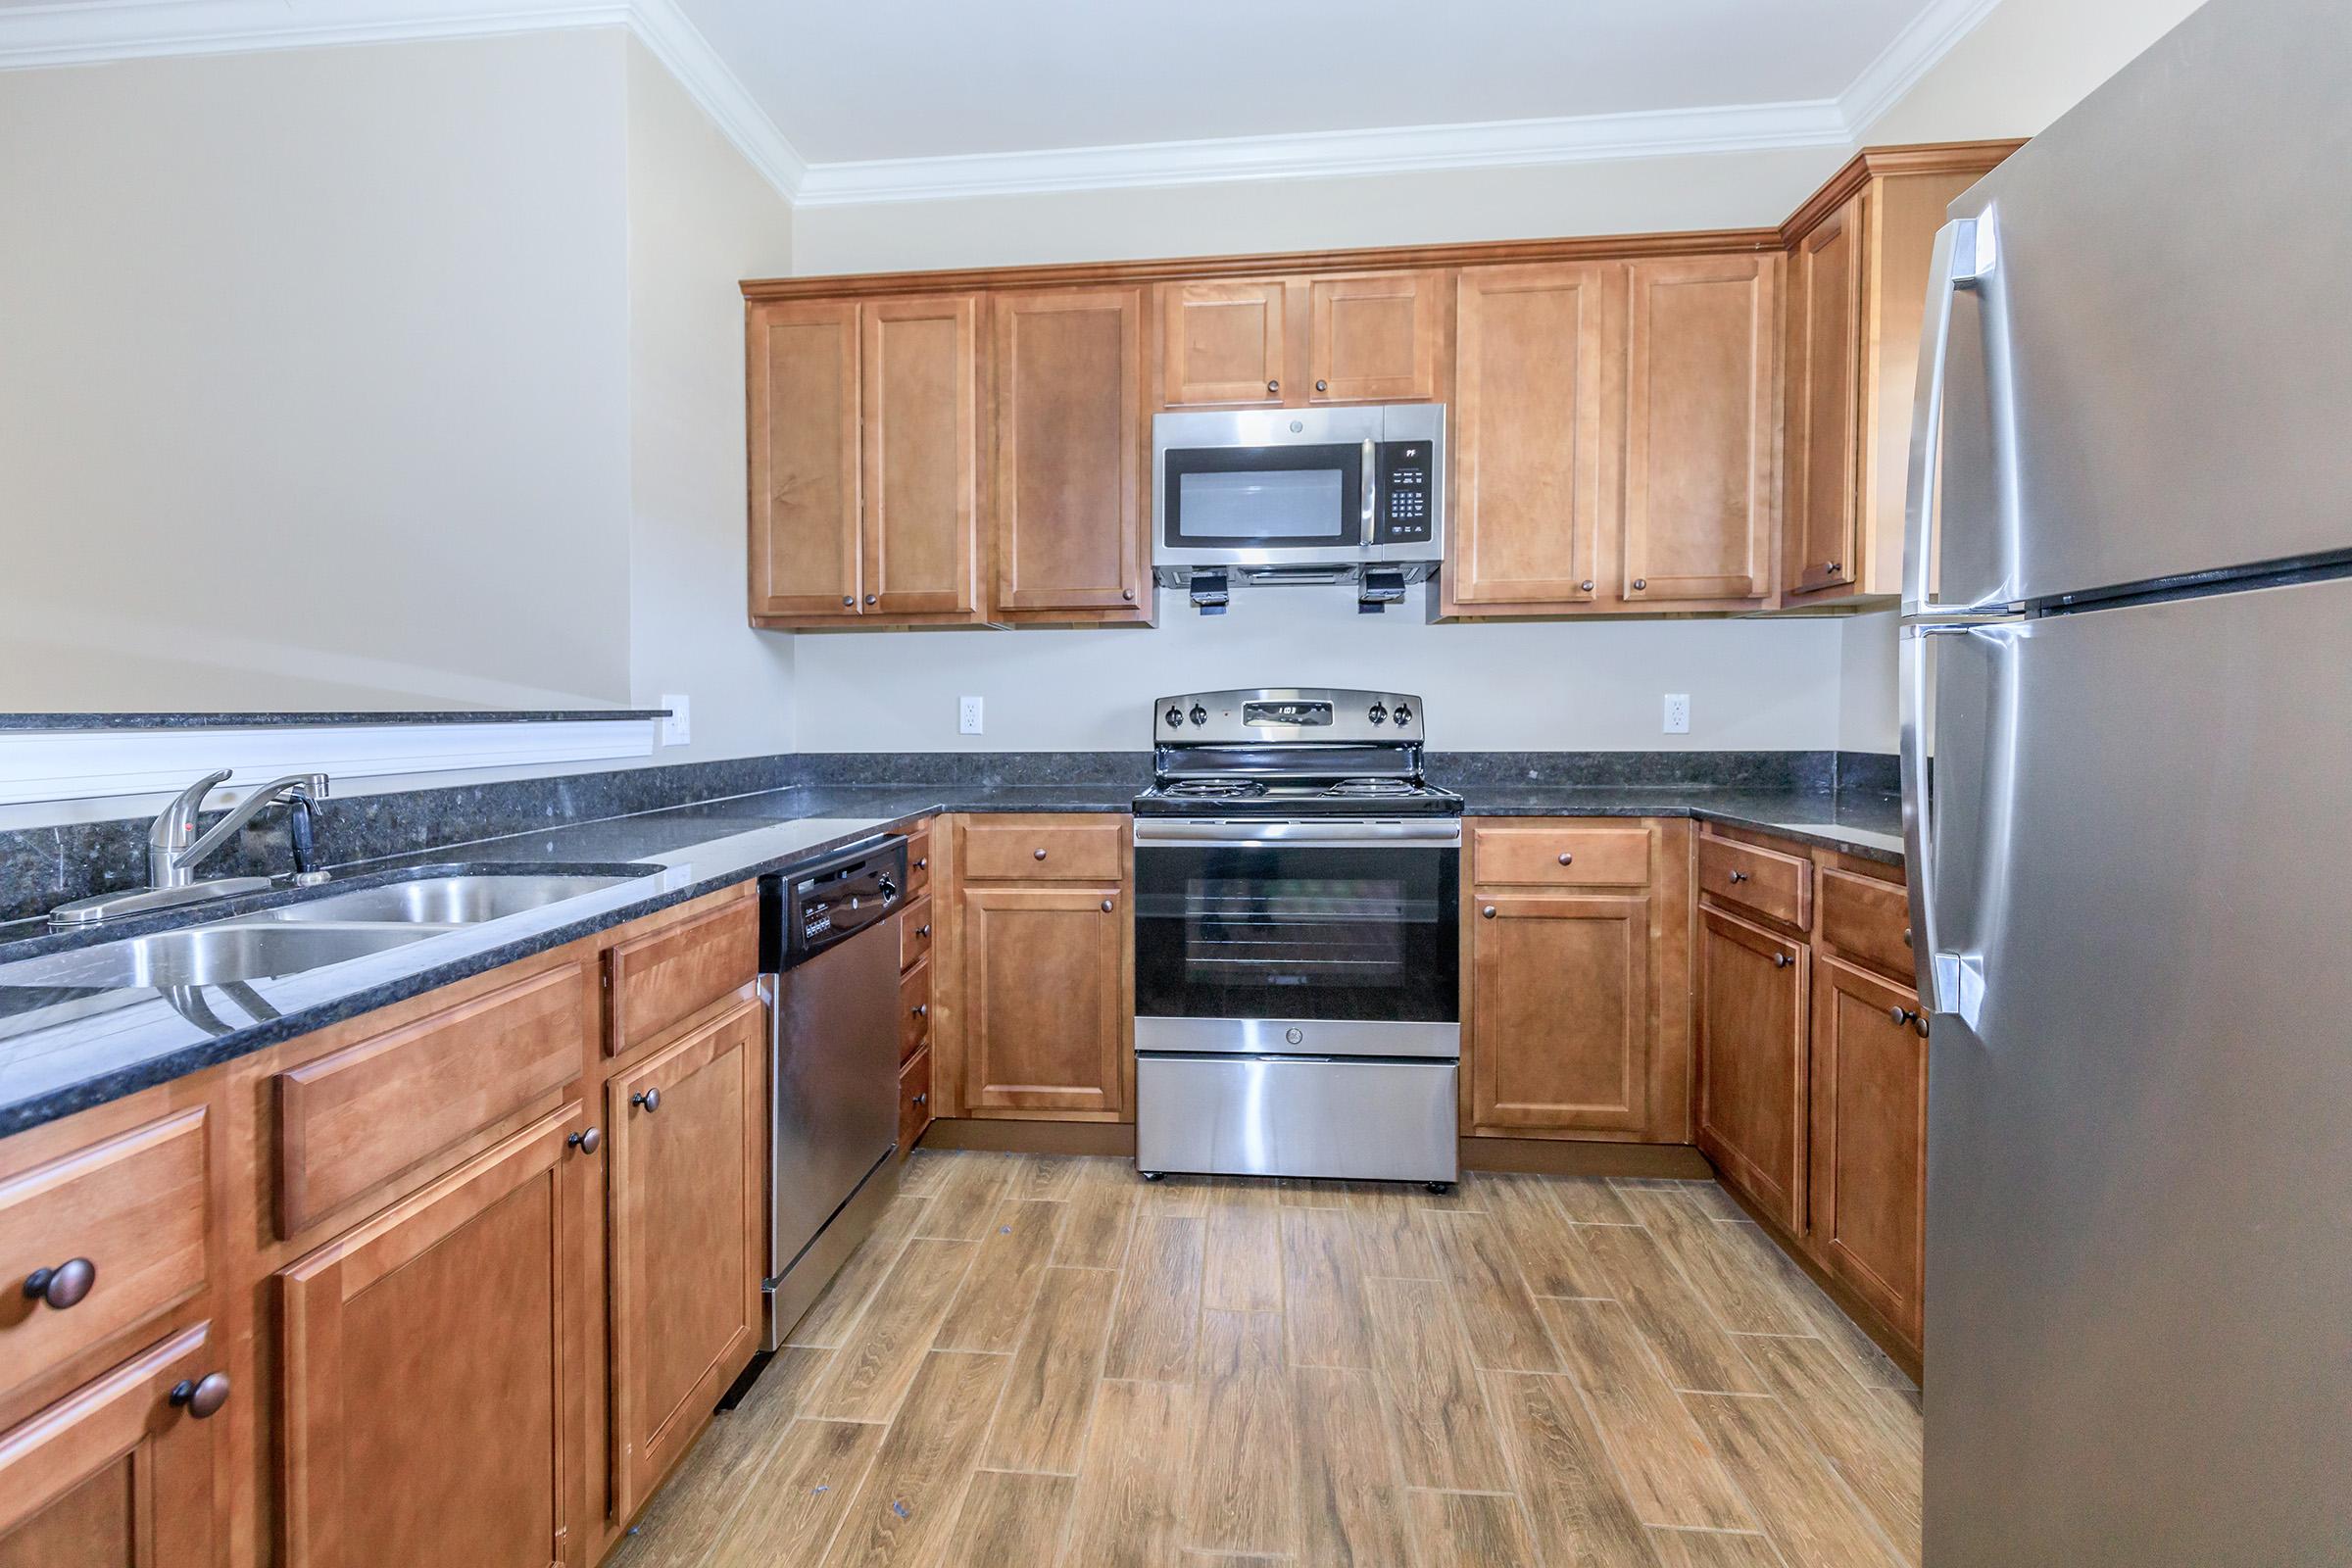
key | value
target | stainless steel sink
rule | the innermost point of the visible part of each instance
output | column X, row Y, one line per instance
column 211, row 954
column 441, row 900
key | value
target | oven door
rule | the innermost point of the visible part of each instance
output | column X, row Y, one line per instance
column 1299, row 938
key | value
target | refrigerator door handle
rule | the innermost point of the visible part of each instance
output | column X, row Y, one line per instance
column 1919, row 835
column 1964, row 255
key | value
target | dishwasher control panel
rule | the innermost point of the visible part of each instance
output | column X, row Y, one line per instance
column 808, row 908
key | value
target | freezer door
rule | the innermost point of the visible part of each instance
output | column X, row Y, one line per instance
column 2140, row 1136
column 2166, row 284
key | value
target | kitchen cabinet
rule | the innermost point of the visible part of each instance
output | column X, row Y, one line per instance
column 1701, row 434
column 1575, row 969
column 1858, row 263
column 1536, row 364
column 1752, row 1060
column 1367, row 337
column 1072, row 449
column 867, row 429
column 1032, row 987
column 688, row 1207
column 123, row 1471
column 1867, row 1200
column 432, row 1365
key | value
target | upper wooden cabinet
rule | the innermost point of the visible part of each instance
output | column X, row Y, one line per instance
column 866, row 425
column 1858, row 255
column 1073, row 537
column 1370, row 337
column 1701, row 437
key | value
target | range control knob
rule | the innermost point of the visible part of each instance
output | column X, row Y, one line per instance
column 1175, row 718
column 1379, row 714
column 1403, row 713
column 1199, row 715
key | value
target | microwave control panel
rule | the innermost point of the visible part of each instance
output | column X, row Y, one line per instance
column 1407, row 497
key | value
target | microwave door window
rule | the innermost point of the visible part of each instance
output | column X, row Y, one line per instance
column 1269, row 507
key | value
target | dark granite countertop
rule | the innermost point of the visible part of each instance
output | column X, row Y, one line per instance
column 355, row 718
column 63, row 1050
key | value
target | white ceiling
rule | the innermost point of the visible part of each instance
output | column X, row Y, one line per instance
column 929, row 78
column 904, row 99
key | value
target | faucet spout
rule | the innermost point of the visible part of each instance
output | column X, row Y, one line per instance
column 180, row 866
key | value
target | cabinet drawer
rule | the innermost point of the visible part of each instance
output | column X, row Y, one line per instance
column 915, row 1100
column 1560, row 856
column 1028, row 851
column 672, row 974
column 914, row 933
column 918, row 862
column 367, row 1113
column 130, row 1210
column 1777, row 886
column 914, row 1009
column 1868, row 921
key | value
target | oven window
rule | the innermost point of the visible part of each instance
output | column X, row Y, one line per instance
column 1271, row 506
column 1312, row 932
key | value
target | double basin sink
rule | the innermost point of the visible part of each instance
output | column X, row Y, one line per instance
column 311, row 933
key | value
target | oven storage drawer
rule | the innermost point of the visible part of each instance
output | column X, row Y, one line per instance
column 1297, row 1116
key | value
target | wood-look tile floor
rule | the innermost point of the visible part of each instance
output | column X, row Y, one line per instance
column 1048, row 1361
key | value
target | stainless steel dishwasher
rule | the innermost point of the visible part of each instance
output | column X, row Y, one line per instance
column 829, row 947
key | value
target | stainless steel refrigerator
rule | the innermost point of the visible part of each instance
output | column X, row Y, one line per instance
column 2127, row 749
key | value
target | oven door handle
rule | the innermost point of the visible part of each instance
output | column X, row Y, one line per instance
column 1443, row 832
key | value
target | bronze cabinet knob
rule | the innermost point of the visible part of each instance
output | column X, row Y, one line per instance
column 1127, row 594
column 1040, row 853
column 922, row 1010
column 1273, row 386
column 1322, row 386
column 1106, row 905
column 1833, row 567
column 1898, row 1016
column 1782, row 961
column 848, row 599
column 587, row 1141
column 1567, row 859
column 1488, row 912
column 1738, row 876
column 922, row 863
column 1584, row 587
column 924, row 1098
column 651, row 1100
column 1640, row 584
column 63, row 1286
column 922, row 930
column 204, row 1398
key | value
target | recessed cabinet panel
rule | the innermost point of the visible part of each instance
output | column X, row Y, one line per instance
column 1046, row 1001
column 1069, row 453
column 1531, row 385
column 1751, row 1060
column 1700, row 433
column 921, row 451
column 1824, row 410
column 1375, row 338
column 802, row 381
column 1562, row 1014
column 1869, row 1191
column 1221, row 343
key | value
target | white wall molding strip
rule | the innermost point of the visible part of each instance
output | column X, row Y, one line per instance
column 80, row 33
column 46, row 765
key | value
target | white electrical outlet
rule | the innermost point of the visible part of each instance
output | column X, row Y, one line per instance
column 967, row 715
column 1678, row 712
column 678, row 728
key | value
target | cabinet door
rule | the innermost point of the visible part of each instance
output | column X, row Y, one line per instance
column 1046, row 1001
column 688, row 1192
column 1699, row 438
column 1824, row 410
column 1869, row 1189
column 801, row 381
column 922, row 382
column 432, row 1369
column 1071, row 529
column 1751, row 1060
column 1530, row 389
column 1221, row 343
column 1560, row 1013
column 117, row 1474
column 1374, row 338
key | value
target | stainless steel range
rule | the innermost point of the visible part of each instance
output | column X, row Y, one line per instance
column 1296, row 953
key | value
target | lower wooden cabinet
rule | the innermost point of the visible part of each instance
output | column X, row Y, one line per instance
column 1869, row 1131
column 1046, row 1001
column 1752, row 1060
column 1563, row 1012
column 432, row 1365
column 688, row 1128
column 915, row 1099
column 123, row 1471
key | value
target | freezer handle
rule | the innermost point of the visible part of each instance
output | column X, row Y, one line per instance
column 1963, row 256
column 1919, row 835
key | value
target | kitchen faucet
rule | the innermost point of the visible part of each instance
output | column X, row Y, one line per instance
column 173, row 850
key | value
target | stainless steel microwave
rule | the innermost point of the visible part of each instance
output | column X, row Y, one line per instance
column 1298, row 495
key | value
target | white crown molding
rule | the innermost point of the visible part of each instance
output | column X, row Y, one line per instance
column 82, row 33
column 1915, row 52
column 1492, row 144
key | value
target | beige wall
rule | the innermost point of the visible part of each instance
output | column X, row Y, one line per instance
column 2025, row 65
column 313, row 379
column 699, row 219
